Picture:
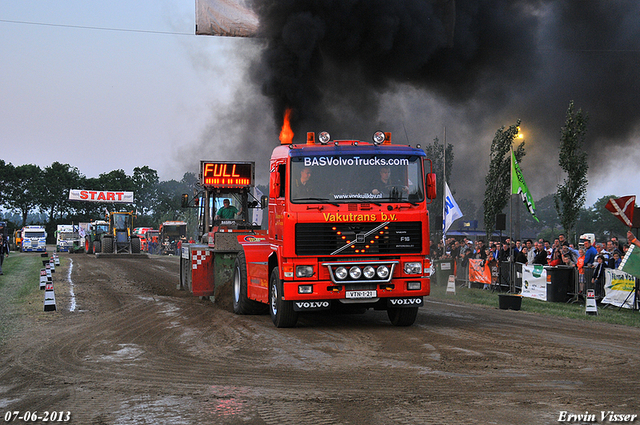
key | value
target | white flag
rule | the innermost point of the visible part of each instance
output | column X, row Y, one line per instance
column 451, row 209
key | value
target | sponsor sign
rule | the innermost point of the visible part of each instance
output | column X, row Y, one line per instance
column 618, row 288
column 114, row 196
column 356, row 217
column 534, row 282
column 340, row 161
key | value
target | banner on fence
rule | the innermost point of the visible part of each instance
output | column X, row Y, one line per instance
column 618, row 288
column 534, row 282
column 479, row 271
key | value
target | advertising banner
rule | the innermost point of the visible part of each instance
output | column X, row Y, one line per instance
column 618, row 288
column 534, row 282
column 108, row 196
column 479, row 271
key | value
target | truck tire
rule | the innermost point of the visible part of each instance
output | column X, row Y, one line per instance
column 96, row 247
column 241, row 303
column 135, row 245
column 281, row 311
column 402, row 316
column 107, row 246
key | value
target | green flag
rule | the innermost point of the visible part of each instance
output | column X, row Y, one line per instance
column 631, row 261
column 519, row 186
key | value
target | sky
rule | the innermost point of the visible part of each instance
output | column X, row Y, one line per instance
column 116, row 85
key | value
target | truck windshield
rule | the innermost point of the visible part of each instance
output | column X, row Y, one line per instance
column 356, row 178
column 102, row 228
column 33, row 235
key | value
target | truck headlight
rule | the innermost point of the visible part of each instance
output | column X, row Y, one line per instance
column 304, row 271
column 305, row 289
column 341, row 273
column 355, row 272
column 382, row 272
column 414, row 286
column 413, row 267
column 369, row 272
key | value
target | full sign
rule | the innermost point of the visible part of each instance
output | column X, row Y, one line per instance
column 227, row 174
column 114, row 196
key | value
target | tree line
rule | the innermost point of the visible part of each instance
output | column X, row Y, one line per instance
column 28, row 191
column 559, row 212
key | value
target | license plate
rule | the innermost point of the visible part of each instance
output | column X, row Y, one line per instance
column 361, row 294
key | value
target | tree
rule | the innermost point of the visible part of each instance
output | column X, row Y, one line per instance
column 6, row 171
column 572, row 194
column 23, row 189
column 58, row 179
column 498, row 180
column 439, row 158
column 146, row 182
column 600, row 221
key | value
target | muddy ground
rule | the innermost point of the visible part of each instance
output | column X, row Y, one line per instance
column 129, row 348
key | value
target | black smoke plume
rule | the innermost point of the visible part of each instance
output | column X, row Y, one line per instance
column 487, row 62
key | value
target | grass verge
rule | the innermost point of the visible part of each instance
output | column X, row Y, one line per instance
column 18, row 285
column 576, row 310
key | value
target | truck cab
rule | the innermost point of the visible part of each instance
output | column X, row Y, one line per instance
column 348, row 228
column 67, row 238
column 34, row 239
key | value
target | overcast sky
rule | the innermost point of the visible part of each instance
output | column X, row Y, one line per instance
column 119, row 84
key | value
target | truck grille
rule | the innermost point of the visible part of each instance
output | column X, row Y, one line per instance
column 328, row 238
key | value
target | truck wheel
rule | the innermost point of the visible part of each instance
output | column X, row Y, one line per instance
column 96, row 247
column 135, row 245
column 241, row 303
column 107, row 246
column 402, row 316
column 282, row 313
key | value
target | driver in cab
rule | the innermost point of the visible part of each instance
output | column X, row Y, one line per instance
column 227, row 212
column 385, row 184
column 301, row 186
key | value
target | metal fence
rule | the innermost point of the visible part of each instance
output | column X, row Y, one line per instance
column 507, row 277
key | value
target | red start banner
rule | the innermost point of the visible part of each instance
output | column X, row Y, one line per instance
column 114, row 196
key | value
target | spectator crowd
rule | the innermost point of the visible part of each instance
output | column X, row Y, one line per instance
column 598, row 256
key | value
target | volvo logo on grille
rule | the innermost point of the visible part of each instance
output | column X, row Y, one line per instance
column 360, row 238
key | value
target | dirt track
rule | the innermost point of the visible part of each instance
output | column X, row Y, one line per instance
column 137, row 351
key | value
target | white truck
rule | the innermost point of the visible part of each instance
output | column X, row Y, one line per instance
column 67, row 238
column 34, row 239
column 587, row 237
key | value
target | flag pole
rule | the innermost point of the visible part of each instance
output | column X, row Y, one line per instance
column 512, row 286
column 444, row 181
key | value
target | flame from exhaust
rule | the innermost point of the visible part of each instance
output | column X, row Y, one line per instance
column 286, row 134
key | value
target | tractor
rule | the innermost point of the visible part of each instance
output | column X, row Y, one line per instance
column 120, row 238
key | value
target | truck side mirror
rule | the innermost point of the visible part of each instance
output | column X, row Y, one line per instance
column 185, row 201
column 431, row 186
column 264, row 201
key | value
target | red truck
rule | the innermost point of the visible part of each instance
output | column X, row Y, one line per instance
column 348, row 227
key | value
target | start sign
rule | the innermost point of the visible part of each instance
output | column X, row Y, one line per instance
column 227, row 174
column 114, row 196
